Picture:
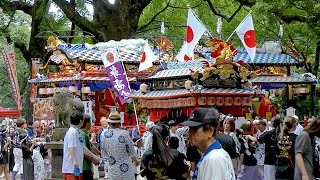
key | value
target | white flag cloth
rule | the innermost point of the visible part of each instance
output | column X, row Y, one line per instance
column 195, row 30
column 182, row 55
column 245, row 32
column 147, row 58
column 110, row 57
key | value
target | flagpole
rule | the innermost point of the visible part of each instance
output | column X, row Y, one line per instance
column 201, row 23
column 161, row 43
column 134, row 107
column 238, row 26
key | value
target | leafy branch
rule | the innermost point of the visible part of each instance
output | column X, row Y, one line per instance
column 226, row 17
column 11, row 6
column 154, row 17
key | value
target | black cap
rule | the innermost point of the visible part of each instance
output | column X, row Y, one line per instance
column 202, row 116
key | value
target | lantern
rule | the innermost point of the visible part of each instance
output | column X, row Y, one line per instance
column 219, row 101
column 237, row 101
column 211, row 101
column 149, row 104
column 42, row 92
column 180, row 102
column 247, row 101
column 50, row 91
column 85, row 90
column 143, row 88
column 191, row 101
column 202, row 101
column 228, row 101
column 188, row 84
column 73, row 89
column 143, row 103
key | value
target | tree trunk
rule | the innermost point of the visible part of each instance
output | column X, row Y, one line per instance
column 317, row 60
column 116, row 22
column 36, row 47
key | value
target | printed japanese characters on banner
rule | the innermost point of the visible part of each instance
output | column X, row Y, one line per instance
column 116, row 74
column 10, row 63
column 87, row 107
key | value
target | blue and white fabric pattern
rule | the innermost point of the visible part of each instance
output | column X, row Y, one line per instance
column 117, row 147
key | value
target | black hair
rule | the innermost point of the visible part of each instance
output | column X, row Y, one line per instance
column 173, row 142
column 86, row 119
column 76, row 118
column 159, row 146
column 207, row 127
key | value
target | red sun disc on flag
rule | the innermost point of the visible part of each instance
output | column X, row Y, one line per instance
column 190, row 34
column 110, row 57
column 249, row 39
column 143, row 58
column 186, row 58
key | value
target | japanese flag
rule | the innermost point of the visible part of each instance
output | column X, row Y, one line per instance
column 182, row 55
column 110, row 57
column 147, row 58
column 245, row 32
column 195, row 29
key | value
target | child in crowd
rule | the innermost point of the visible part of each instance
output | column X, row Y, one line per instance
column 137, row 148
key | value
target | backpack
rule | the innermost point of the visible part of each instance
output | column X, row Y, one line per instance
column 316, row 157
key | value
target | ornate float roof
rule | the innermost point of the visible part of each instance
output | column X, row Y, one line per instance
column 95, row 55
column 261, row 59
column 171, row 74
column 176, row 93
column 293, row 79
column 267, row 59
column 45, row 80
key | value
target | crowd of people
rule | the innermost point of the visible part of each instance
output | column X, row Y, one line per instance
column 205, row 146
column 22, row 152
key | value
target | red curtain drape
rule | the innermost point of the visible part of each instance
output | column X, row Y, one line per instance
column 157, row 114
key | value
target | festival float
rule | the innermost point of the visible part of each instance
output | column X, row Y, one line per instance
column 224, row 83
column 79, row 68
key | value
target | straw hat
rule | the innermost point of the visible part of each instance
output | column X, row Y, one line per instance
column 114, row 117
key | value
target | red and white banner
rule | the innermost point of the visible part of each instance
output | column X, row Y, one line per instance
column 195, row 30
column 147, row 58
column 10, row 63
column 245, row 32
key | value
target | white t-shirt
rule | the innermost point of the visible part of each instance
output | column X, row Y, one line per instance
column 298, row 129
column 72, row 140
column 179, row 134
column 216, row 165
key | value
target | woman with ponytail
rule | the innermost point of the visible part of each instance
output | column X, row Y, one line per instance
column 285, row 149
column 162, row 162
